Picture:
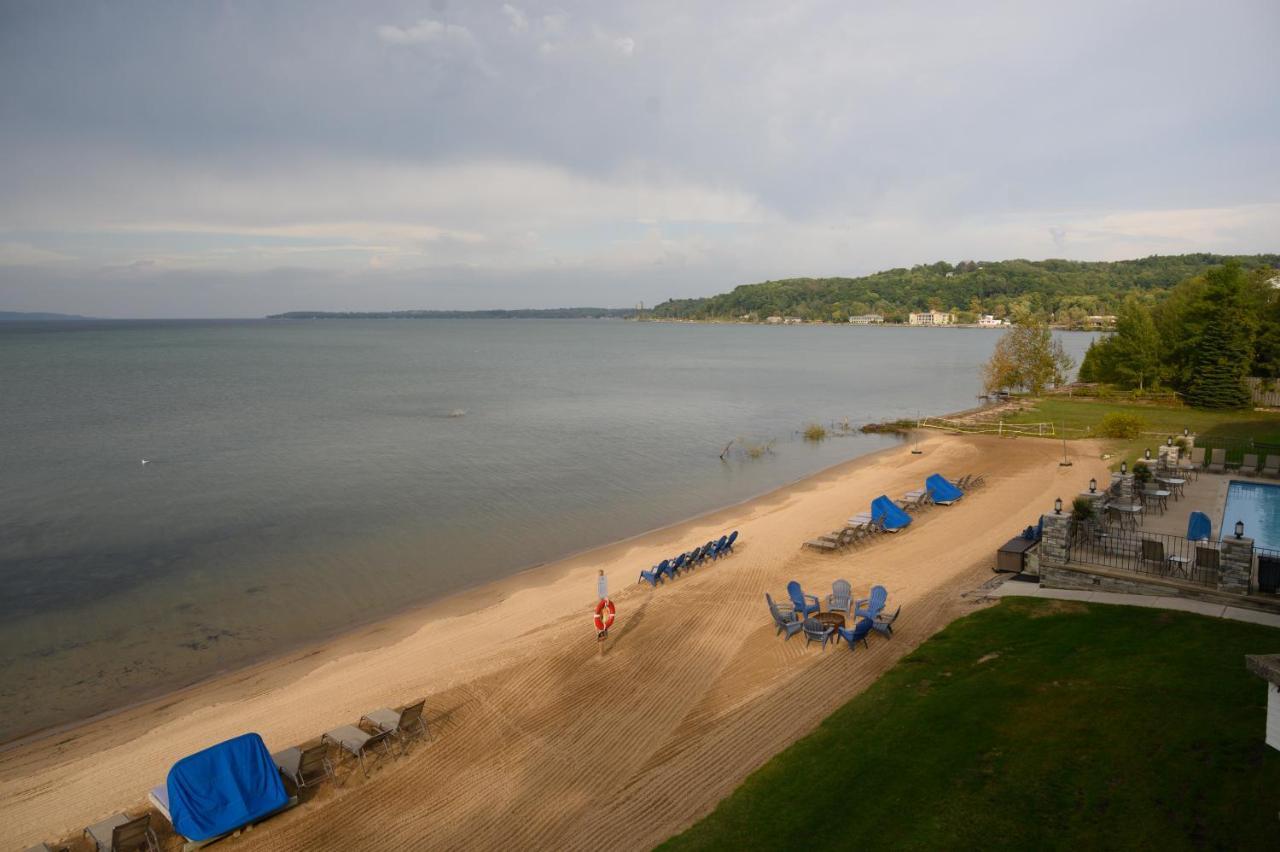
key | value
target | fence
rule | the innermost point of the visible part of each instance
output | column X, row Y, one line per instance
column 1265, row 391
column 1151, row 554
column 1268, row 570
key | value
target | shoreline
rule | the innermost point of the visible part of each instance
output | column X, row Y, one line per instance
column 415, row 612
column 484, row 642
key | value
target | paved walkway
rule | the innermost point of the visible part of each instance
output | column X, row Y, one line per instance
column 1031, row 590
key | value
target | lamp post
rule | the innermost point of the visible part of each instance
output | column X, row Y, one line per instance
column 1124, row 468
column 1186, row 432
column 1169, row 442
column 1093, row 486
column 1239, row 529
column 1057, row 506
column 1147, row 454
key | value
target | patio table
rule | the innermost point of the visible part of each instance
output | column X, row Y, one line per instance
column 1126, row 515
column 1175, row 484
column 1160, row 497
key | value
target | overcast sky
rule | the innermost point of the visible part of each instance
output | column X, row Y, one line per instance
column 235, row 159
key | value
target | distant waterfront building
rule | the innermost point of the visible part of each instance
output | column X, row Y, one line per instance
column 867, row 319
column 1105, row 321
column 773, row 320
column 792, row 321
column 988, row 321
column 931, row 318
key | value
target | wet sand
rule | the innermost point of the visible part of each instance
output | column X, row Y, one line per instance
column 539, row 739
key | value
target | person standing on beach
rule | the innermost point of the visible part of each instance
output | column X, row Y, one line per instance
column 602, row 594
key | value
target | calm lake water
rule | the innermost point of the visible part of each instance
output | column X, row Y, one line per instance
column 306, row 476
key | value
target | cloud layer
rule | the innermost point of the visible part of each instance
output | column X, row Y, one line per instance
column 231, row 159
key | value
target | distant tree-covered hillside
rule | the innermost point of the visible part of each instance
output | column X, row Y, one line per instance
column 1062, row 291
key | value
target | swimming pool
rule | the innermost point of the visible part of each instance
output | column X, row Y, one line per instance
column 1258, row 505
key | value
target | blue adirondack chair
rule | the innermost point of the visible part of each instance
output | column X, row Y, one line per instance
column 674, row 568
column 709, row 550
column 816, row 631
column 728, row 545
column 655, row 576
column 784, row 620
column 841, row 597
column 857, row 634
column 722, row 546
column 879, row 597
column 800, row 601
column 884, row 623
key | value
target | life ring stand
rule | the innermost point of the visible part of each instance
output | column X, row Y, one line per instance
column 605, row 611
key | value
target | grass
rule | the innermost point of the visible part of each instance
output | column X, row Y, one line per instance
column 815, row 432
column 1212, row 428
column 1032, row 724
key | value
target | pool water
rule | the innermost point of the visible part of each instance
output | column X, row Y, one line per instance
column 1258, row 505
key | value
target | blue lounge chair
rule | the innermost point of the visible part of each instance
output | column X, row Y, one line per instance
column 1199, row 527
column 875, row 603
column 858, row 633
column 800, row 601
column 816, row 631
column 655, row 576
column 888, row 514
column 728, row 545
column 783, row 619
column 841, row 597
column 944, row 493
column 710, row 550
column 722, row 546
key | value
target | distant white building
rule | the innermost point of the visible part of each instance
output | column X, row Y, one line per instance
column 867, row 319
column 792, row 321
column 1105, row 321
column 988, row 321
column 931, row 318
column 773, row 320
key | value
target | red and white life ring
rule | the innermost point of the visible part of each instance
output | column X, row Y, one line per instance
column 604, row 614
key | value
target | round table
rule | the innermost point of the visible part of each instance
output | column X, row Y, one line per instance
column 829, row 619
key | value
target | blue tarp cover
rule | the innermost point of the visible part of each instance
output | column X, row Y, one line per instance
column 882, row 508
column 1199, row 526
column 943, row 491
column 224, row 787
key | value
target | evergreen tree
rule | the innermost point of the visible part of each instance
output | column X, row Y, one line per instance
column 1135, row 348
column 1224, row 351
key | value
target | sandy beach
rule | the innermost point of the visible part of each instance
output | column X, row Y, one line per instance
column 541, row 741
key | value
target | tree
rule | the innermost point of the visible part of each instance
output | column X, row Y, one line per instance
column 1135, row 349
column 1224, row 350
column 1027, row 357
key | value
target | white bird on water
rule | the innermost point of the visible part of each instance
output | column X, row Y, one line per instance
column 146, row 461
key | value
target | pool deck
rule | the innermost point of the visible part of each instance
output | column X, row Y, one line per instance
column 1208, row 495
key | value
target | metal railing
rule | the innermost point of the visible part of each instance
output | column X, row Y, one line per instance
column 1149, row 554
column 1268, row 570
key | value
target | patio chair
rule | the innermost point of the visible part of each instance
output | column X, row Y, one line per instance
column 884, row 623
column 874, row 604
column 728, row 545
column 404, row 725
column 1271, row 467
column 800, row 602
column 1207, row 559
column 858, row 633
column 121, row 833
column 816, row 631
column 304, row 766
column 841, row 597
column 783, row 619
column 1250, row 463
column 1218, row 461
column 721, row 546
column 355, row 742
column 656, row 575
column 1153, row 551
column 677, row 564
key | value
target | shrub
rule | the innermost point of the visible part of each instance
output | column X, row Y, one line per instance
column 815, row 432
column 1118, row 425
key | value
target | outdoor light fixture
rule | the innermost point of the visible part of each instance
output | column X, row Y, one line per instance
column 1185, row 431
column 1239, row 529
column 1093, row 486
column 1124, row 468
column 1147, row 456
column 1169, row 442
column 1057, row 507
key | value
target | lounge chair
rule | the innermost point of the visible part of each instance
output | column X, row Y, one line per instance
column 816, row 631
column 801, row 602
column 874, row 604
column 884, row 623
column 784, row 619
column 656, row 575
column 1208, row 559
column 354, row 741
column 1218, row 461
column 841, row 597
column 1199, row 527
column 304, row 766
column 403, row 725
column 1250, row 463
column 1271, row 467
column 942, row 492
column 122, row 833
column 858, row 633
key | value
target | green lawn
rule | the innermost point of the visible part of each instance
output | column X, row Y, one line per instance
column 1030, row 725
column 1212, row 428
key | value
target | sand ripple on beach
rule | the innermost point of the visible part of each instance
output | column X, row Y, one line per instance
column 539, row 741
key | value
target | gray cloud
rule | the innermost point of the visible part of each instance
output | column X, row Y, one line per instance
column 387, row 147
